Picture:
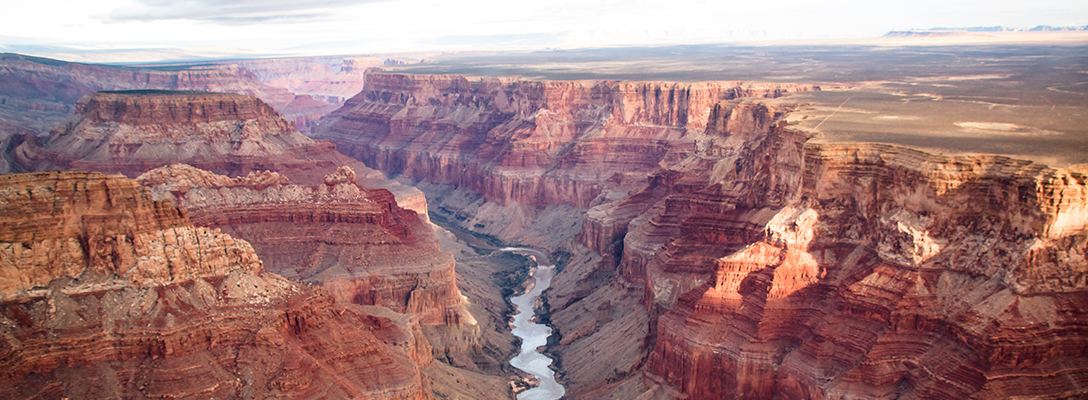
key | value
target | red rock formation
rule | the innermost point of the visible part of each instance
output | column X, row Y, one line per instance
column 131, row 132
column 777, row 269
column 356, row 241
column 845, row 271
column 107, row 293
column 40, row 93
column 135, row 131
column 531, row 142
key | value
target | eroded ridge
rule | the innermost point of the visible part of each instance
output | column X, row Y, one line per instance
column 107, row 293
column 834, row 271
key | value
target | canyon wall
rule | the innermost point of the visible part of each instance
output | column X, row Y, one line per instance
column 785, row 270
column 355, row 241
column 720, row 256
column 107, row 293
column 131, row 132
column 535, row 143
column 39, row 93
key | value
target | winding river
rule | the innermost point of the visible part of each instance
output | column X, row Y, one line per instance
column 534, row 335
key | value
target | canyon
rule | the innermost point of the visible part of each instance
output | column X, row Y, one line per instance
column 722, row 255
column 352, row 251
column 710, row 242
column 526, row 147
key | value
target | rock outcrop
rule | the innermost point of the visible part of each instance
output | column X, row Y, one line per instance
column 356, row 241
column 786, row 270
column 132, row 132
column 107, row 293
column 535, row 143
column 723, row 257
column 39, row 93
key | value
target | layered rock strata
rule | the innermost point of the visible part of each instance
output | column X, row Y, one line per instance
column 356, row 241
column 134, row 131
column 38, row 93
column 107, row 293
column 536, row 143
column 786, row 270
column 723, row 257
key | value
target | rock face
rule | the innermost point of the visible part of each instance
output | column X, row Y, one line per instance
column 134, row 131
column 131, row 132
column 529, row 142
column 62, row 224
column 39, row 93
column 845, row 271
column 356, row 241
column 107, row 293
column 723, row 257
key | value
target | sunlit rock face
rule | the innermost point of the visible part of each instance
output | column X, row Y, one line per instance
column 857, row 270
column 721, row 256
column 531, row 142
column 108, row 293
column 354, row 240
column 526, row 157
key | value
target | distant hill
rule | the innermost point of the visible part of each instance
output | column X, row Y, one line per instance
column 944, row 31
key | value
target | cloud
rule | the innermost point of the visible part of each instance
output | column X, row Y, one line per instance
column 231, row 12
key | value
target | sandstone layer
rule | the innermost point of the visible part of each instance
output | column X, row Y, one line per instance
column 39, row 93
column 356, row 241
column 723, row 257
column 107, row 293
column 534, row 143
column 842, row 271
column 132, row 132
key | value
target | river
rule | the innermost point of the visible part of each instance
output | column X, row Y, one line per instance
column 534, row 335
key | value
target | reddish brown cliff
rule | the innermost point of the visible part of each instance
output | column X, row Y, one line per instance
column 844, row 271
column 39, row 93
column 747, row 264
column 107, row 293
column 532, row 142
column 132, row 132
column 356, row 241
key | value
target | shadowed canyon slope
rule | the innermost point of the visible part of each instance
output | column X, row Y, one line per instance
column 107, row 293
column 723, row 257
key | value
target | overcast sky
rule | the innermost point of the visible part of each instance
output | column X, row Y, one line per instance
column 84, row 28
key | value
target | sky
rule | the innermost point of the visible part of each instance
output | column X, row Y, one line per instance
column 143, row 30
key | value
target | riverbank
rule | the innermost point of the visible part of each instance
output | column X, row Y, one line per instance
column 523, row 274
column 535, row 336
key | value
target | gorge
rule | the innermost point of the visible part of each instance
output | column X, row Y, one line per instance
column 723, row 256
column 693, row 240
